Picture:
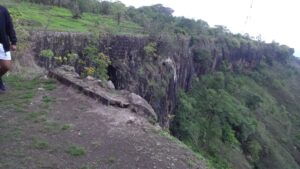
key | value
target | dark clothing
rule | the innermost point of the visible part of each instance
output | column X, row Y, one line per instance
column 7, row 32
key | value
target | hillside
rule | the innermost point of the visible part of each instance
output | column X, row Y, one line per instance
column 248, row 118
column 229, row 97
column 45, row 124
column 36, row 17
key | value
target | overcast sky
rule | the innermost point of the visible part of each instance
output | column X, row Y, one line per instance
column 274, row 19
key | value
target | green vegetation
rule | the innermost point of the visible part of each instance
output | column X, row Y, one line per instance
column 66, row 127
column 150, row 49
column 111, row 160
column 95, row 16
column 49, row 85
column 75, row 150
column 93, row 63
column 37, row 116
column 23, row 90
column 44, row 17
column 40, row 144
column 235, row 119
column 46, row 54
column 54, row 127
column 85, row 167
column 46, row 57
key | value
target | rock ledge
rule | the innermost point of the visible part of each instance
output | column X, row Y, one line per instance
column 94, row 88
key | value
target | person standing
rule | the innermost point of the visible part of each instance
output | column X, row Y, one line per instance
column 8, row 41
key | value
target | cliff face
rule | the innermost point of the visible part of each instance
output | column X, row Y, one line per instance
column 157, row 75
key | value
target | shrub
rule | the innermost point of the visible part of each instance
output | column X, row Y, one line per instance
column 150, row 49
column 72, row 57
column 88, row 71
column 96, row 60
column 201, row 55
column 75, row 151
column 58, row 60
column 47, row 54
column 228, row 135
column 254, row 149
column 46, row 57
column 253, row 100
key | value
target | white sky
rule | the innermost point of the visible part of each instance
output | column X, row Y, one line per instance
column 274, row 19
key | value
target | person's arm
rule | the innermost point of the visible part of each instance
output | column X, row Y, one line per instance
column 10, row 31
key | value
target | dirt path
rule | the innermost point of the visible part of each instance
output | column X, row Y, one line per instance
column 44, row 124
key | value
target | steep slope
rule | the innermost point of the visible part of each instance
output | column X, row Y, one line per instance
column 250, row 119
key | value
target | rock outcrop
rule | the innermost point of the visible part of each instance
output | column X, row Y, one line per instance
column 157, row 76
column 108, row 96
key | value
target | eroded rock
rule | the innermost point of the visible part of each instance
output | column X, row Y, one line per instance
column 106, row 95
column 110, row 85
column 141, row 104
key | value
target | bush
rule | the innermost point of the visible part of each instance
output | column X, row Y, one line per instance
column 47, row 54
column 58, row 60
column 150, row 49
column 93, row 60
column 46, row 58
column 88, row 71
column 254, row 149
column 72, row 57
column 229, row 135
column 202, row 57
column 75, row 151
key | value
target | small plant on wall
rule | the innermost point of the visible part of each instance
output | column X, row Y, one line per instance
column 72, row 57
column 93, row 63
column 150, row 49
column 88, row 71
column 46, row 57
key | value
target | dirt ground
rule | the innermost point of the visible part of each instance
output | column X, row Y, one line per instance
column 46, row 125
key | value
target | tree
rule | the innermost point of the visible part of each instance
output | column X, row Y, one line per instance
column 105, row 7
column 76, row 13
column 118, row 9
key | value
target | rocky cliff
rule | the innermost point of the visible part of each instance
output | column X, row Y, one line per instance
column 169, row 65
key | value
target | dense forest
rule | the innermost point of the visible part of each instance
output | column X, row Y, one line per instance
column 236, row 116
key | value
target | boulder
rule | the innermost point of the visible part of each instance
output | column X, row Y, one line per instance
column 139, row 104
column 110, row 85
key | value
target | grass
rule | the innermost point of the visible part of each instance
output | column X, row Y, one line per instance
column 18, row 99
column 34, row 16
column 75, row 150
column 85, row 167
column 13, row 134
column 20, row 93
column 27, row 95
column 21, row 109
column 37, row 117
column 111, row 160
column 40, row 144
column 52, row 126
column 167, row 135
column 49, row 85
column 65, row 127
column 46, row 99
column 190, row 163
